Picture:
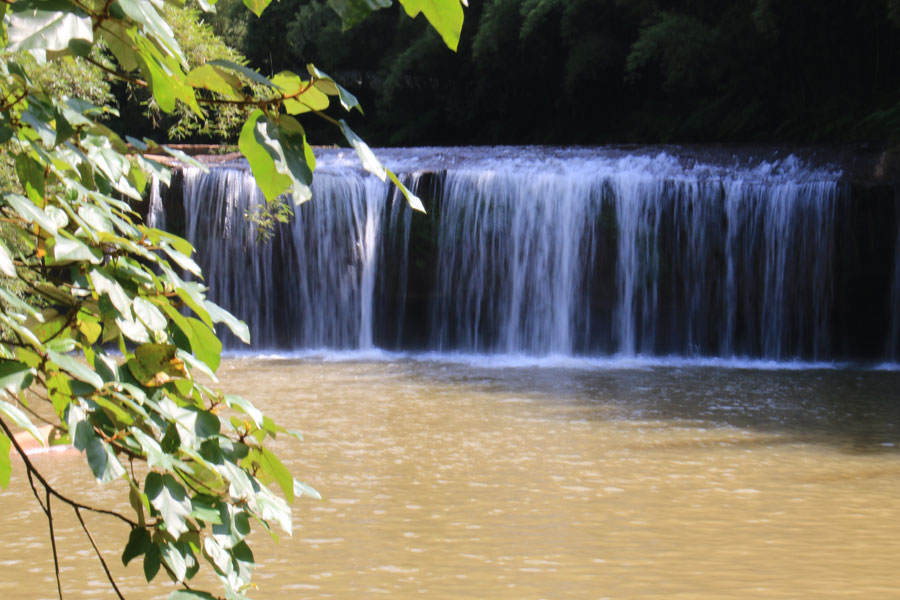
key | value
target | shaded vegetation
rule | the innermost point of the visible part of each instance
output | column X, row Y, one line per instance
column 593, row 71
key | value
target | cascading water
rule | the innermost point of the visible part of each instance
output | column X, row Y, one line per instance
column 545, row 252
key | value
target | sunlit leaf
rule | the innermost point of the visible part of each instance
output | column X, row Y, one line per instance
column 446, row 16
column 170, row 499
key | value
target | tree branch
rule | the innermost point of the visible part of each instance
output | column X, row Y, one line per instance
column 30, row 468
column 109, row 576
column 49, row 513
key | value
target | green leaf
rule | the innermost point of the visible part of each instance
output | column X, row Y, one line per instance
column 206, row 509
column 258, row 149
column 352, row 12
column 183, row 261
column 6, row 264
column 170, row 499
column 242, row 70
column 220, row 315
column 30, row 212
column 279, row 472
column 414, row 202
column 21, row 419
column 257, row 6
column 216, row 79
column 174, row 558
column 15, row 376
column 67, row 250
column 138, row 543
column 152, row 561
column 148, row 314
column 247, row 407
column 47, row 29
column 111, row 287
column 329, row 86
column 154, row 365
column 146, row 14
column 446, row 16
column 204, row 343
column 302, row 489
column 76, row 368
column 368, row 159
column 5, row 462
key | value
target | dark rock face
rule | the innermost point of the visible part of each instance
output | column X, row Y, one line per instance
column 654, row 251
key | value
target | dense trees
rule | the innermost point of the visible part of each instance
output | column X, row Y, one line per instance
column 594, row 71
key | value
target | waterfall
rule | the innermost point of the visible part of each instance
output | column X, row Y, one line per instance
column 311, row 285
column 548, row 252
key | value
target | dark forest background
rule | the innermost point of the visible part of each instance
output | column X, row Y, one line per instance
column 600, row 71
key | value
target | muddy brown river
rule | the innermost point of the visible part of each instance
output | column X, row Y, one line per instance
column 447, row 479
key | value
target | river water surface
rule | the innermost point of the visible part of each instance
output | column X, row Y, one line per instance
column 459, row 479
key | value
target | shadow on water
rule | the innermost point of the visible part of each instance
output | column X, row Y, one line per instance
column 855, row 410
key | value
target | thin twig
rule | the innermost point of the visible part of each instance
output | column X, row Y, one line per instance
column 109, row 576
column 53, row 544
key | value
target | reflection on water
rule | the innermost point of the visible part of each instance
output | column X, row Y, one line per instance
column 444, row 480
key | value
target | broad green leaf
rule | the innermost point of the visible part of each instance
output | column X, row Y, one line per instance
column 170, row 499
column 67, row 250
column 138, row 543
column 6, row 264
column 446, row 16
column 31, row 176
column 183, row 261
column 185, row 158
column 220, row 315
column 147, row 15
column 101, row 459
column 257, row 6
column 216, row 79
column 110, row 287
column 148, row 314
column 242, row 70
column 15, row 376
column 174, row 559
column 21, row 419
column 5, row 463
column 119, row 42
column 414, row 202
column 368, row 159
column 204, row 343
column 329, row 86
column 156, row 456
column 76, row 368
column 258, row 149
column 206, row 509
column 36, row 29
column 279, row 472
column 154, row 365
column 272, row 508
column 18, row 304
column 152, row 561
column 30, row 212
column 247, row 407
column 233, row 526
column 352, row 12
column 103, row 462
column 302, row 489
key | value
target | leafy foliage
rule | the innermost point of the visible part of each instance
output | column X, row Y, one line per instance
column 592, row 71
column 100, row 332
